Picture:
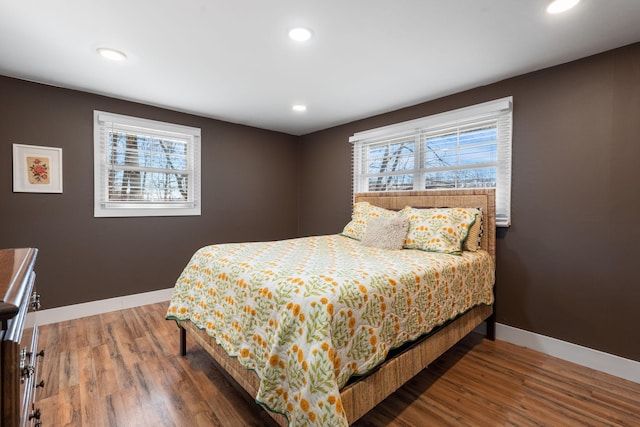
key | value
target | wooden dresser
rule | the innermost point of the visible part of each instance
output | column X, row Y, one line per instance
column 18, row 350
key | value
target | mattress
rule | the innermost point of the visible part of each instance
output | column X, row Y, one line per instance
column 308, row 314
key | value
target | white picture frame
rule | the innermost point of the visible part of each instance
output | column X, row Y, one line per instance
column 37, row 169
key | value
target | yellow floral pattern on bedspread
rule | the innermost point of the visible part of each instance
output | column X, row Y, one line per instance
column 307, row 314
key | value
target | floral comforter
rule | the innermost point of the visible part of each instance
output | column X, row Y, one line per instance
column 307, row 314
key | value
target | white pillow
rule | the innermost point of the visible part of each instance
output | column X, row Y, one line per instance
column 386, row 233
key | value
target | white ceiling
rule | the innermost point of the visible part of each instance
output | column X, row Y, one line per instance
column 232, row 60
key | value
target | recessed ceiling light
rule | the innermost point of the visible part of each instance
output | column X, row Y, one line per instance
column 300, row 34
column 299, row 108
column 559, row 6
column 112, row 54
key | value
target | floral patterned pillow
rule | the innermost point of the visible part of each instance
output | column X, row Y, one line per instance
column 362, row 211
column 439, row 229
column 474, row 238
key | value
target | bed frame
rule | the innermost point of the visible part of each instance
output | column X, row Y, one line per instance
column 360, row 396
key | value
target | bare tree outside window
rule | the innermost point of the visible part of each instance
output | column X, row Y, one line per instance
column 458, row 158
column 462, row 158
column 389, row 164
column 466, row 148
column 144, row 168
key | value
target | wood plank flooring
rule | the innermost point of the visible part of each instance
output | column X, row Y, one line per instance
column 124, row 369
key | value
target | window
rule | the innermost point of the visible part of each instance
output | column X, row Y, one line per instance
column 145, row 168
column 467, row 148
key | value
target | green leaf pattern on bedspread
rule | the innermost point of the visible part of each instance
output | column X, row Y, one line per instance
column 307, row 314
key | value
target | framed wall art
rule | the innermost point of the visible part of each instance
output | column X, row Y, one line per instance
column 37, row 169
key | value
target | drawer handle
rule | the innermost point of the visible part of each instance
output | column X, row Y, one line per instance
column 40, row 384
column 35, row 414
column 40, row 353
column 26, row 372
column 35, row 301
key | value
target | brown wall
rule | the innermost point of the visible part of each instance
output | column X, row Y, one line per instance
column 567, row 267
column 249, row 185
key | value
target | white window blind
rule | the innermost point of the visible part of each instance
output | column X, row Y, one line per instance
column 465, row 148
column 144, row 167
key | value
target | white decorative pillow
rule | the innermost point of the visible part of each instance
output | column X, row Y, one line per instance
column 362, row 212
column 439, row 229
column 386, row 233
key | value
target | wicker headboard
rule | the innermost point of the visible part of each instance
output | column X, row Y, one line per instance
column 484, row 199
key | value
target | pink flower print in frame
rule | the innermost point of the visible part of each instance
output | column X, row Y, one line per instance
column 38, row 170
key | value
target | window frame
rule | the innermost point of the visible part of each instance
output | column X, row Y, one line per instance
column 499, row 111
column 103, row 122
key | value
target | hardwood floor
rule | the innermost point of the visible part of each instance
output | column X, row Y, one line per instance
column 124, row 369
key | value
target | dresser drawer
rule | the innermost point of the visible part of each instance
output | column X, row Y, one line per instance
column 18, row 346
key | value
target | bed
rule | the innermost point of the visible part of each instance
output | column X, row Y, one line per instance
column 314, row 342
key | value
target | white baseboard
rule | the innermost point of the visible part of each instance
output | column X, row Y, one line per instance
column 70, row 312
column 585, row 356
column 595, row 359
